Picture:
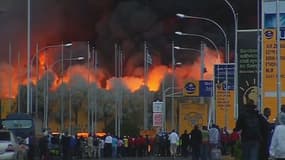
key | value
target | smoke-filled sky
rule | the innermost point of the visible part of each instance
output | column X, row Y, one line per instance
column 128, row 23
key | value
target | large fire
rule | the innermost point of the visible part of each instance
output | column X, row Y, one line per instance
column 11, row 77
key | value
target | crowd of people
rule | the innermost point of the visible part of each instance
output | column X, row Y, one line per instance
column 196, row 144
column 254, row 137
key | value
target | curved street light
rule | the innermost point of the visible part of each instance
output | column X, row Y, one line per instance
column 188, row 49
column 226, row 45
column 235, row 16
column 214, row 22
column 198, row 35
column 37, row 68
column 201, row 56
column 202, row 71
column 235, row 23
column 173, row 47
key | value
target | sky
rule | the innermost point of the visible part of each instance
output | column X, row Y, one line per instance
column 128, row 23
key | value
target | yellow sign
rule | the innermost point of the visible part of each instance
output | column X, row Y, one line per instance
column 191, row 114
column 224, row 108
column 269, row 70
column 6, row 107
column 191, row 88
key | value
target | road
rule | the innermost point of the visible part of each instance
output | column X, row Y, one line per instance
column 145, row 158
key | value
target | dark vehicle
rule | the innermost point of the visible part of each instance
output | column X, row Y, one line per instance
column 21, row 124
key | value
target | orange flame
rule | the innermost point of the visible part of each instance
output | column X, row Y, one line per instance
column 155, row 75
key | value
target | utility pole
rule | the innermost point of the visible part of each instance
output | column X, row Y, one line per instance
column 61, row 97
column 202, row 69
column 172, row 84
column 88, row 90
column 96, row 91
column 145, row 87
column 28, row 55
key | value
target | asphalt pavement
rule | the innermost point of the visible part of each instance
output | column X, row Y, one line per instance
column 143, row 158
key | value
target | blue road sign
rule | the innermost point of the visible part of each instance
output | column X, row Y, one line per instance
column 206, row 88
column 223, row 70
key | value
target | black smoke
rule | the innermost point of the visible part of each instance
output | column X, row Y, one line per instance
column 126, row 22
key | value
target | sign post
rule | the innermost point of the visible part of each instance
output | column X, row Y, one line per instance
column 224, row 92
column 158, row 115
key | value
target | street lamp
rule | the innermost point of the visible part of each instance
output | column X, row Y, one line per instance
column 28, row 53
column 173, row 83
column 173, row 47
column 236, row 26
column 202, row 56
column 36, row 56
column 188, row 49
column 235, row 16
column 215, row 23
column 226, row 43
column 202, row 71
column 198, row 35
column 47, row 68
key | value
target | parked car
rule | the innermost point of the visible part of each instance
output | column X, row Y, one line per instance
column 8, row 145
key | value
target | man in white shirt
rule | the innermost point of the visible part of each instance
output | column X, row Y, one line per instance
column 173, row 138
column 277, row 146
column 108, row 145
column 90, row 146
column 214, row 136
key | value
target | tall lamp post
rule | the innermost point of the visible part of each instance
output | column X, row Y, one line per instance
column 28, row 54
column 173, row 47
column 36, row 56
column 201, row 74
column 47, row 69
column 226, row 47
column 235, row 16
column 173, row 85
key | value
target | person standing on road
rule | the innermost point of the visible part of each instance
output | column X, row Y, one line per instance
column 278, row 121
column 30, row 141
column 90, row 145
column 101, row 148
column 43, row 146
column 205, row 143
column 250, row 126
column 267, row 131
column 196, row 141
column 108, row 145
column 185, row 143
column 173, row 139
column 234, row 138
column 277, row 147
column 96, row 146
column 65, row 146
column 114, row 146
column 225, row 139
column 214, row 136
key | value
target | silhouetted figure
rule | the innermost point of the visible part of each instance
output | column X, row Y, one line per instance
column 185, row 140
column 249, row 123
